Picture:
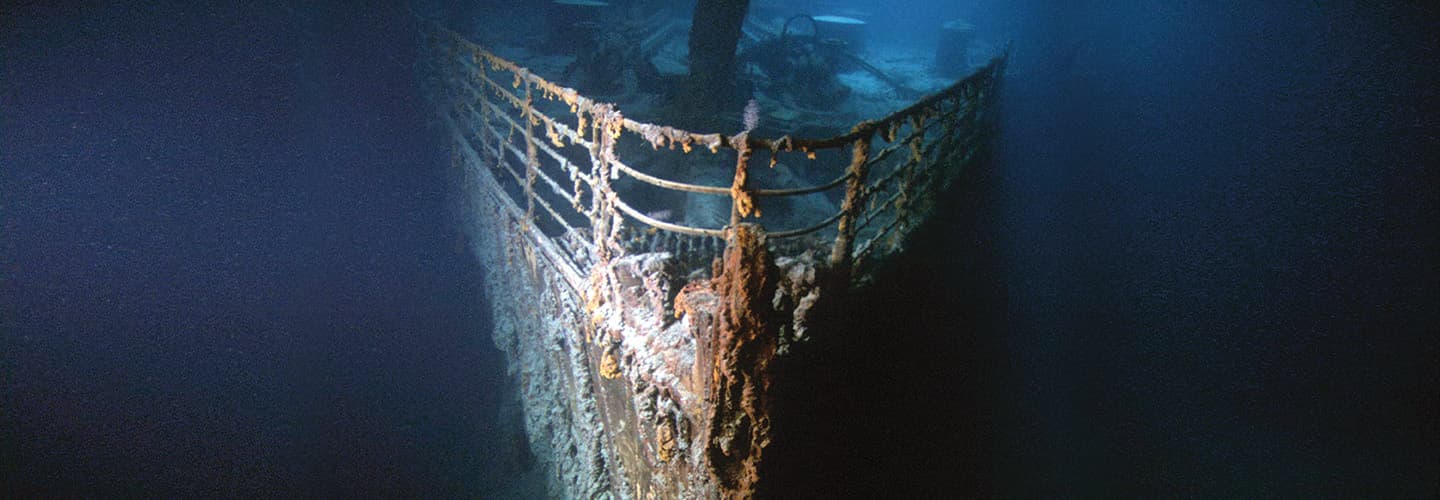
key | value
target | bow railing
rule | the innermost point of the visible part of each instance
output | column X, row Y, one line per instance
column 555, row 154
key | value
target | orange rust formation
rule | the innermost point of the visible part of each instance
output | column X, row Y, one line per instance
column 665, row 440
column 609, row 367
column 739, row 427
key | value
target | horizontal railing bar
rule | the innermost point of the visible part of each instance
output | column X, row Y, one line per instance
column 804, row 190
column 554, row 214
column 516, row 102
column 908, row 165
column 669, row 184
column 903, row 142
column 545, row 204
column 515, row 150
column 564, row 162
column 722, row 191
column 659, row 224
column 871, row 214
column 554, row 186
column 568, row 268
column 807, row 230
column 879, row 234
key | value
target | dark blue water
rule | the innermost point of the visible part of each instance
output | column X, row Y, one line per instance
column 230, row 267
column 1202, row 264
column 1220, row 232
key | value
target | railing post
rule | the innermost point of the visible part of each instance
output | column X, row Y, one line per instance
column 605, row 127
column 742, row 203
column 855, row 193
column 530, row 155
column 482, row 100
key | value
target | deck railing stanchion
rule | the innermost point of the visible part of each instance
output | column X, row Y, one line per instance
column 855, row 193
column 530, row 156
